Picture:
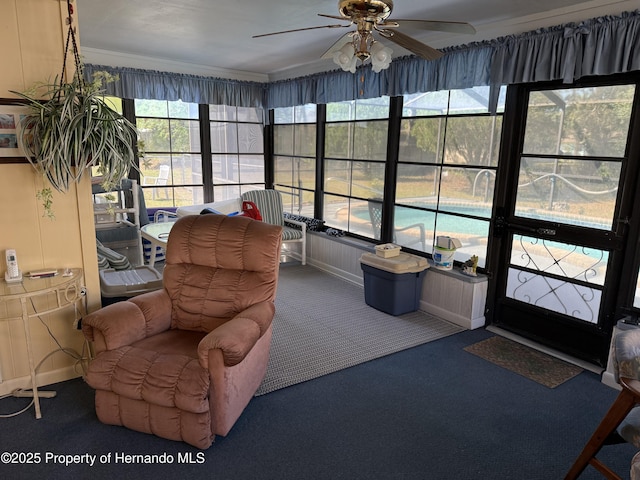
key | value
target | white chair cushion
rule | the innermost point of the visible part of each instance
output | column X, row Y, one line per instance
column 225, row 206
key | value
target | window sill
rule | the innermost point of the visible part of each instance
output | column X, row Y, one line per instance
column 368, row 246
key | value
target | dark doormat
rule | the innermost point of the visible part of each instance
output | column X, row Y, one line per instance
column 532, row 364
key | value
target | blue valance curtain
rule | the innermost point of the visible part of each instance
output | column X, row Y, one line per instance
column 600, row 46
column 462, row 67
column 154, row 85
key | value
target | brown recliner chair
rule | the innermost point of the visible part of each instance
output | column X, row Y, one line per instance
column 183, row 362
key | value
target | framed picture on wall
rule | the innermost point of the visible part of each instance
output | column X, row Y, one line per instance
column 11, row 112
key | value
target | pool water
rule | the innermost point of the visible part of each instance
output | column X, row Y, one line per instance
column 465, row 227
column 472, row 226
column 446, row 224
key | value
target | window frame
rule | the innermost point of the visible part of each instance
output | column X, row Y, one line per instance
column 203, row 118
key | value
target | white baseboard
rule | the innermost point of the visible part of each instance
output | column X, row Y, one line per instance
column 43, row 379
column 350, row 277
column 464, row 322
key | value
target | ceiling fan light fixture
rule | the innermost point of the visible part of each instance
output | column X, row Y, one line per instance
column 380, row 57
column 363, row 48
column 346, row 58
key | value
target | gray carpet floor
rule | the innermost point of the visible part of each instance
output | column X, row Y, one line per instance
column 323, row 324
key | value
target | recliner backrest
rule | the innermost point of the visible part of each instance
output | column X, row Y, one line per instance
column 217, row 266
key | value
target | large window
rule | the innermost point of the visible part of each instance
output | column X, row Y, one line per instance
column 237, row 150
column 447, row 161
column 171, row 168
column 355, row 147
column 444, row 175
column 574, row 144
column 294, row 154
column 177, row 169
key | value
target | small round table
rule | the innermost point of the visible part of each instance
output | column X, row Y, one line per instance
column 158, row 235
column 41, row 296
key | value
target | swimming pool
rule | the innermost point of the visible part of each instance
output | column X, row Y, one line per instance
column 443, row 223
column 463, row 222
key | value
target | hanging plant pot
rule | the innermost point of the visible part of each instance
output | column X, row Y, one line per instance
column 73, row 130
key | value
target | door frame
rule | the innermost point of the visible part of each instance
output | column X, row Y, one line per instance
column 585, row 341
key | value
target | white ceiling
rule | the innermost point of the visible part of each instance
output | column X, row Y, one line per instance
column 213, row 37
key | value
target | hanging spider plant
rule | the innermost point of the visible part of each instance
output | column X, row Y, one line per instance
column 69, row 128
column 72, row 130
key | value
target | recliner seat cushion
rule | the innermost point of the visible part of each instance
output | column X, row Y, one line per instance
column 169, row 378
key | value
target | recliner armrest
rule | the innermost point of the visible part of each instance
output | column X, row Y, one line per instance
column 124, row 323
column 237, row 337
column 156, row 308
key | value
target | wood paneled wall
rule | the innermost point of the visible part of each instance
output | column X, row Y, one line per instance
column 32, row 35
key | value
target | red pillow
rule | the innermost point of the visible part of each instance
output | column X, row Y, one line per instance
column 249, row 209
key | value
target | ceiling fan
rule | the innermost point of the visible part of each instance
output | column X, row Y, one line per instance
column 372, row 16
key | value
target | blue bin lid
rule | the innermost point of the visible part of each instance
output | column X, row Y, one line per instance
column 402, row 263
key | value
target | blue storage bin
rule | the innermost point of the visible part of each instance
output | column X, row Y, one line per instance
column 393, row 285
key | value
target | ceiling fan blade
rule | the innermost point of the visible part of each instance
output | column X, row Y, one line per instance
column 299, row 30
column 343, row 40
column 435, row 25
column 336, row 17
column 405, row 41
